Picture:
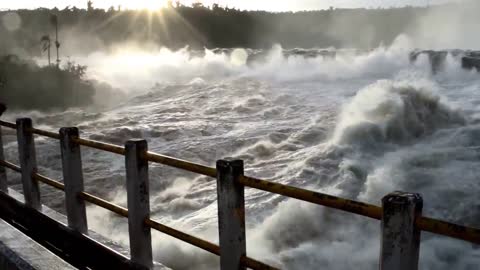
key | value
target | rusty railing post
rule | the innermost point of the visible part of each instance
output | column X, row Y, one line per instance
column 73, row 179
column 231, row 214
column 138, row 202
column 400, row 238
column 28, row 162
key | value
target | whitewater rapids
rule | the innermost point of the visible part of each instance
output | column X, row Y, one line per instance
column 357, row 126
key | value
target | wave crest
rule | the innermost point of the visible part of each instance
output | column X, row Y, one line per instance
column 393, row 112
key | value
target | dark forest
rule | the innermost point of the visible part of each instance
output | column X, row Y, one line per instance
column 198, row 26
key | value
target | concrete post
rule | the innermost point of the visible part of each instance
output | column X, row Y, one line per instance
column 3, row 171
column 73, row 180
column 28, row 163
column 400, row 238
column 138, row 202
column 231, row 214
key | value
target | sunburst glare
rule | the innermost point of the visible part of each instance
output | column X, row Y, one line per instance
column 151, row 5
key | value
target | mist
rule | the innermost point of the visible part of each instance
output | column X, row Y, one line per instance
column 326, row 100
column 84, row 32
column 447, row 27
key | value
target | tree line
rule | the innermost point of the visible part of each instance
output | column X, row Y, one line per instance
column 25, row 85
column 214, row 26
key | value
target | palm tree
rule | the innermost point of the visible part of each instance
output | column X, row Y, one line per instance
column 46, row 45
column 54, row 21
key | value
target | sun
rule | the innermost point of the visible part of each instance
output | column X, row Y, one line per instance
column 147, row 4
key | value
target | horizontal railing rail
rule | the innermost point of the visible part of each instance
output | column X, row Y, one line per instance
column 230, row 180
column 80, row 250
column 117, row 149
column 121, row 211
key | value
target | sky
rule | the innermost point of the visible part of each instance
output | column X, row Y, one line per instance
column 271, row 5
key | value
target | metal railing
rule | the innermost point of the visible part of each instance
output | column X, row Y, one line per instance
column 401, row 213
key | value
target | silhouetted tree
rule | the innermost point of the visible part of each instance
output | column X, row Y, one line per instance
column 89, row 6
column 219, row 26
column 46, row 46
column 52, row 87
column 54, row 21
column 198, row 5
column 78, row 71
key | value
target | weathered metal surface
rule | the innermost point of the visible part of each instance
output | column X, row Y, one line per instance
column 8, row 124
column 200, row 243
column 231, row 214
column 116, row 149
column 49, row 181
column 73, row 180
column 355, row 207
column 157, row 158
column 203, row 244
column 448, row 229
column 10, row 165
column 138, row 200
column 121, row 211
column 45, row 133
column 182, row 164
column 400, row 237
column 77, row 249
column 28, row 163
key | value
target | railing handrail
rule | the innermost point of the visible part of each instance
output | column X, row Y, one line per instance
column 122, row 211
column 432, row 225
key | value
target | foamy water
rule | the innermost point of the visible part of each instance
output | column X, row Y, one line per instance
column 358, row 126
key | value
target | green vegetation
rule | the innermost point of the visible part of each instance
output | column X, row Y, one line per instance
column 25, row 85
column 87, row 30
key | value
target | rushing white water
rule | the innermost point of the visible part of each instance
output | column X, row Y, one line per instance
column 357, row 126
